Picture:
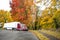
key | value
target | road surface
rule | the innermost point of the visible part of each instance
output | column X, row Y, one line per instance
column 17, row 35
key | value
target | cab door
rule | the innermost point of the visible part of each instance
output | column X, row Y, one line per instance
column 18, row 26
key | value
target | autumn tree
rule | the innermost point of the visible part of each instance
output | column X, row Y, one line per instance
column 47, row 21
column 21, row 10
column 18, row 9
column 5, row 16
column 56, row 18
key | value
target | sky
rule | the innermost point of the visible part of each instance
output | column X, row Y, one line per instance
column 41, row 5
column 4, row 5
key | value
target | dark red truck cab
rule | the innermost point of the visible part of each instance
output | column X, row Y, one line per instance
column 21, row 28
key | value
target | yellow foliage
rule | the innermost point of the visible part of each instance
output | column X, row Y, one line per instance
column 50, row 20
column 5, row 16
column 53, row 2
column 47, row 22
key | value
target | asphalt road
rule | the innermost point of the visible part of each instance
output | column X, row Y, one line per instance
column 17, row 35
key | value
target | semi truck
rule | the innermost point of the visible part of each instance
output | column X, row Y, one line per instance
column 15, row 26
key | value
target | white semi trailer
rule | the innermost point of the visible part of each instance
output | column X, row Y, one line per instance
column 11, row 25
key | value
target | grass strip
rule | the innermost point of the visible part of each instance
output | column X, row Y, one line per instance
column 53, row 33
column 39, row 35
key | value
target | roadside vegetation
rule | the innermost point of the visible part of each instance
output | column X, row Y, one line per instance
column 53, row 33
column 39, row 35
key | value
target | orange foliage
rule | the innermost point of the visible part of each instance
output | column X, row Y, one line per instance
column 21, row 10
